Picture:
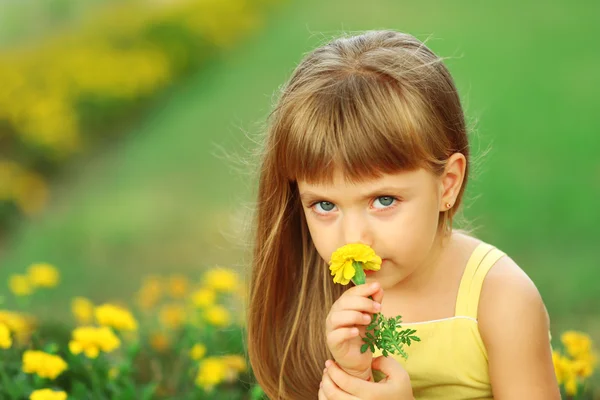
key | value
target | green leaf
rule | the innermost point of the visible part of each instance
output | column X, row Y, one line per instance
column 364, row 347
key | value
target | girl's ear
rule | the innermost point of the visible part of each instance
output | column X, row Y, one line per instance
column 452, row 180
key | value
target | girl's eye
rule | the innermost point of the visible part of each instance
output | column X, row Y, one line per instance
column 385, row 201
column 325, row 206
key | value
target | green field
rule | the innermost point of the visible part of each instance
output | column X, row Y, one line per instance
column 160, row 199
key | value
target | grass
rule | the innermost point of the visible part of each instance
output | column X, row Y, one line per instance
column 156, row 200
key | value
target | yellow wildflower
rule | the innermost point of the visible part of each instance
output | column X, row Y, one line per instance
column 212, row 371
column 178, row 286
column 222, row 280
column 20, row 285
column 5, row 338
column 160, row 342
column 91, row 340
column 21, row 325
column 172, row 315
column 341, row 261
column 235, row 361
column 43, row 364
column 577, row 343
column 217, row 315
column 198, row 351
column 150, row 292
column 83, row 310
column 47, row 394
column 115, row 317
column 43, row 275
column 204, row 297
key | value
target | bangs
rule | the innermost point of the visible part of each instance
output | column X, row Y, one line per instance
column 362, row 125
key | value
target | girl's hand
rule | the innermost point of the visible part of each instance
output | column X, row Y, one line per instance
column 346, row 325
column 338, row 385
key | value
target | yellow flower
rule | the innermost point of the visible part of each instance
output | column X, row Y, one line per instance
column 159, row 341
column 341, row 261
column 217, row 315
column 43, row 275
column 91, row 340
column 20, row 285
column 222, row 280
column 198, row 351
column 115, row 317
column 172, row 315
column 204, row 297
column 47, row 394
column 21, row 325
column 212, row 371
column 43, row 364
column 178, row 286
column 82, row 309
column 235, row 362
column 5, row 338
column 150, row 292
column 577, row 343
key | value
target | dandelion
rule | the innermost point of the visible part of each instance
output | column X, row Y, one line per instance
column 83, row 310
column 160, row 342
column 217, row 315
column 115, row 317
column 43, row 275
column 222, row 280
column 19, row 285
column 212, row 372
column 21, row 325
column 577, row 344
column 198, row 351
column 149, row 294
column 343, row 262
column 43, row 364
column 47, row 394
column 204, row 297
column 172, row 315
column 235, row 365
column 91, row 340
column 178, row 286
column 5, row 338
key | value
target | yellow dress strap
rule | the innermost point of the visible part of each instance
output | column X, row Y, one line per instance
column 483, row 258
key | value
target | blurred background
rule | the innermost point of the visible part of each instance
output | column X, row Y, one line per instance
column 121, row 123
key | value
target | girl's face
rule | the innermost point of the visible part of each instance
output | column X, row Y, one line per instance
column 397, row 215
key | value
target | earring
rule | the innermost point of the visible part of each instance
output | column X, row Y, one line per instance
column 448, row 205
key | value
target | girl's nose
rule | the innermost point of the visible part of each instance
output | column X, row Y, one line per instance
column 356, row 230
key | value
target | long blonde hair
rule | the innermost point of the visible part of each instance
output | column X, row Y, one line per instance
column 369, row 104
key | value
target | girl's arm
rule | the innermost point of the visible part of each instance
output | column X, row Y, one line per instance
column 514, row 326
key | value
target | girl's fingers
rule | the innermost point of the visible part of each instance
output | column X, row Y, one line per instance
column 356, row 303
column 378, row 296
column 322, row 395
column 347, row 318
column 333, row 391
column 337, row 337
column 351, row 384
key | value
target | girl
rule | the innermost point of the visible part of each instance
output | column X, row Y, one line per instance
column 368, row 144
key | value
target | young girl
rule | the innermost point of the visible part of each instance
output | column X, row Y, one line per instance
column 368, row 144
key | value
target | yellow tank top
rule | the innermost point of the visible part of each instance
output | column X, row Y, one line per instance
column 451, row 361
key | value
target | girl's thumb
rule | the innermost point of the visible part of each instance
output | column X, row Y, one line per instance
column 388, row 366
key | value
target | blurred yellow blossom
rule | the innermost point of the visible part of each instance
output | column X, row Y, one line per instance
column 21, row 325
column 222, row 280
column 159, row 341
column 198, row 351
column 178, row 286
column 83, row 310
column 115, row 317
column 5, row 338
column 150, row 292
column 211, row 372
column 576, row 343
column 172, row 315
column 217, row 315
column 236, row 364
column 204, row 297
column 47, row 394
column 20, row 285
column 43, row 364
column 91, row 340
column 43, row 275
